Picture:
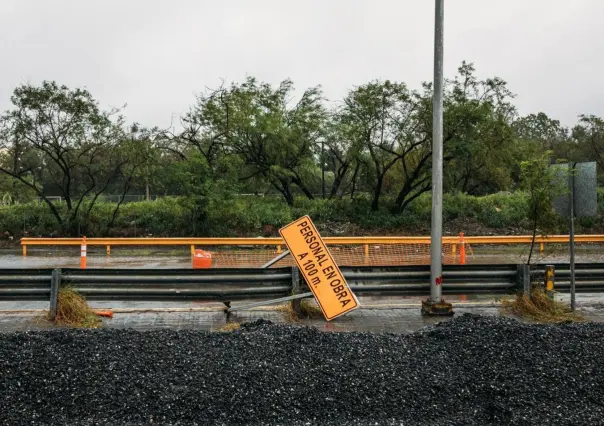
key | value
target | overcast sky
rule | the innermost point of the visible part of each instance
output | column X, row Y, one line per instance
column 155, row 55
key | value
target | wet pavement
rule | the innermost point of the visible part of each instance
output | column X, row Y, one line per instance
column 376, row 315
column 61, row 260
column 397, row 315
column 180, row 258
column 394, row 320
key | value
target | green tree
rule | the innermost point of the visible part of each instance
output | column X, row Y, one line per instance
column 547, row 134
column 140, row 157
column 275, row 138
column 541, row 128
column 207, row 126
column 543, row 185
column 478, row 117
column 588, row 135
column 341, row 153
column 65, row 134
column 379, row 118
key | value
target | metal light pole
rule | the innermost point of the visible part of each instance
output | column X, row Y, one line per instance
column 572, row 235
column 323, row 169
column 435, row 305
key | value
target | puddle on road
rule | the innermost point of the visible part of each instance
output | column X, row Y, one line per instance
column 62, row 261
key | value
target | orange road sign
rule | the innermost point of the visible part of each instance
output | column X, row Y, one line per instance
column 318, row 268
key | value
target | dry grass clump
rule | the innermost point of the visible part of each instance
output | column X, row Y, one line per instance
column 73, row 310
column 308, row 309
column 230, row 326
column 540, row 308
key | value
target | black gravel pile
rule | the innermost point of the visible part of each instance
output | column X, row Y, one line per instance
column 468, row 371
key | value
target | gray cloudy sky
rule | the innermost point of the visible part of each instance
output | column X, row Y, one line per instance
column 155, row 55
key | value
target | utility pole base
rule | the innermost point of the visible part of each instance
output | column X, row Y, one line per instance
column 437, row 308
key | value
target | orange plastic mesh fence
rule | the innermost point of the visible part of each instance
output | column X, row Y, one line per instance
column 357, row 255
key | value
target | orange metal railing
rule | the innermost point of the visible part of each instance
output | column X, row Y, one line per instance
column 347, row 250
column 278, row 242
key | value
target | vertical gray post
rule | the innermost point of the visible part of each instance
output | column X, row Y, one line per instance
column 524, row 279
column 437, row 158
column 296, row 290
column 572, row 236
column 55, row 283
column 323, row 169
column 275, row 260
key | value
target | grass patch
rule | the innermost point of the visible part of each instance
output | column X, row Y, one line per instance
column 540, row 308
column 73, row 310
column 230, row 326
column 308, row 310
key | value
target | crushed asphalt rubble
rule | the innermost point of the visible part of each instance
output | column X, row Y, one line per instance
column 471, row 370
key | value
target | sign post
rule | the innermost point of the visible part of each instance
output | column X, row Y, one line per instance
column 571, row 236
column 318, row 268
column 581, row 200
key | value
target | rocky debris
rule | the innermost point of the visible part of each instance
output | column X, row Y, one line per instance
column 471, row 370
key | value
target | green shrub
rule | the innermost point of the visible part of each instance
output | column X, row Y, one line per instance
column 229, row 215
column 236, row 216
column 495, row 210
column 163, row 217
column 32, row 219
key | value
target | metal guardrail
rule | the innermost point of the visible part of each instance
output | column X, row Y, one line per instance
column 227, row 285
column 179, row 284
column 415, row 280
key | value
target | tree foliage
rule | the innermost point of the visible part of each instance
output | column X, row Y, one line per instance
column 478, row 120
column 252, row 137
column 543, row 185
column 62, row 136
column 273, row 136
column 588, row 135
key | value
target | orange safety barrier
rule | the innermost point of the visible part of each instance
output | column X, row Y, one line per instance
column 353, row 251
column 202, row 259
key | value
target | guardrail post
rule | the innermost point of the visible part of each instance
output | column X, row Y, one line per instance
column 55, row 283
column 108, row 250
column 24, row 250
column 524, row 279
column 549, row 280
column 295, row 304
